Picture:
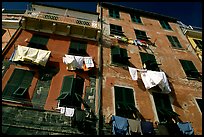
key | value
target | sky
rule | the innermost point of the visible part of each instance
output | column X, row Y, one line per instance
column 190, row 13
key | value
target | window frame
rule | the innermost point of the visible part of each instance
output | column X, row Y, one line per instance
column 78, row 48
column 198, row 44
column 119, row 56
column 151, row 61
column 141, row 35
column 116, row 30
column 123, row 99
column 115, row 13
column 165, row 25
column 136, row 18
column 188, row 66
column 174, row 42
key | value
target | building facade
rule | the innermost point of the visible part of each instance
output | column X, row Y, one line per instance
column 51, row 63
column 147, row 43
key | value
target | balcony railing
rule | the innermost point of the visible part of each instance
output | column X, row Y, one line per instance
column 62, row 19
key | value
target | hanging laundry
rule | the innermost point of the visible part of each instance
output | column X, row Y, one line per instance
column 185, row 128
column 31, row 54
column 69, row 112
column 70, row 61
column 21, row 52
column 62, row 110
column 147, row 128
column 79, row 60
column 138, row 42
column 164, row 84
column 88, row 62
column 118, row 37
column 134, row 126
column 42, row 57
column 119, row 125
column 133, row 73
column 130, row 41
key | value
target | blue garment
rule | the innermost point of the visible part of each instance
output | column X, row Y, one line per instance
column 147, row 127
column 12, row 55
column 185, row 128
column 119, row 125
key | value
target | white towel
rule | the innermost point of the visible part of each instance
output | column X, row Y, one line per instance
column 89, row 62
column 164, row 84
column 62, row 110
column 42, row 57
column 31, row 54
column 69, row 112
column 68, row 59
column 133, row 73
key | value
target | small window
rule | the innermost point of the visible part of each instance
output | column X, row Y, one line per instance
column 70, row 88
column 174, row 41
column 116, row 30
column 3, row 31
column 200, row 104
column 141, row 34
column 78, row 48
column 38, row 42
column 198, row 43
column 165, row 25
column 163, row 107
column 114, row 13
column 124, row 102
column 149, row 61
column 190, row 69
column 135, row 18
column 119, row 56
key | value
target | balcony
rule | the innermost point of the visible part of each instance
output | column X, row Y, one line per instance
column 62, row 25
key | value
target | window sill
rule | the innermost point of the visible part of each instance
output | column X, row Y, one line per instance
column 137, row 23
column 181, row 49
column 115, row 18
column 167, row 29
column 191, row 78
column 119, row 65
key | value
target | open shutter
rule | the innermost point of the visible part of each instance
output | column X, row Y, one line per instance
column 37, row 39
column 66, row 87
column 149, row 60
column 124, row 56
column 177, row 43
column 25, row 84
column 189, row 68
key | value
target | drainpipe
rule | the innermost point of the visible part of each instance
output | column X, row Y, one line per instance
column 100, row 120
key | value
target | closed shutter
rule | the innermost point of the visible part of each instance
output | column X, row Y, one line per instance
column 140, row 34
column 77, row 48
column 66, row 87
column 114, row 13
column 165, row 25
column 174, row 41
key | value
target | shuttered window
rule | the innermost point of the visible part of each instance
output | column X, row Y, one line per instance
column 190, row 69
column 38, row 41
column 174, row 41
column 198, row 43
column 135, row 18
column 165, row 25
column 18, row 84
column 116, row 30
column 114, row 13
column 163, row 107
column 119, row 56
column 150, row 61
column 70, row 87
column 140, row 34
column 124, row 102
column 78, row 48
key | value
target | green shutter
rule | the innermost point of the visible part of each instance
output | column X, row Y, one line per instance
column 145, row 57
column 115, row 50
column 165, row 25
column 37, row 39
column 114, row 13
column 140, row 34
column 177, row 43
column 124, row 56
column 66, row 87
column 189, row 68
column 25, row 84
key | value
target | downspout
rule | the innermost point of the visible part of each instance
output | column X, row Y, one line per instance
column 100, row 120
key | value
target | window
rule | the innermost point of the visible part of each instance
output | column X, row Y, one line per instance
column 140, row 34
column 119, row 56
column 18, row 84
column 124, row 102
column 190, row 69
column 3, row 31
column 165, row 25
column 198, row 43
column 174, row 41
column 163, row 107
column 38, row 42
column 135, row 18
column 150, row 61
column 78, row 48
column 71, row 87
column 114, row 13
column 116, row 30
column 200, row 104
